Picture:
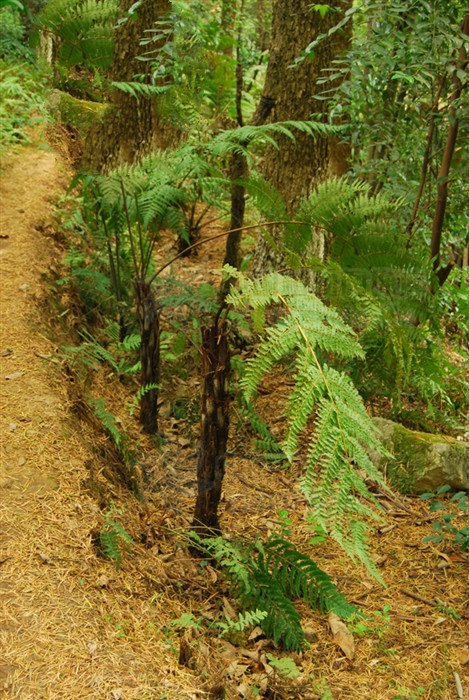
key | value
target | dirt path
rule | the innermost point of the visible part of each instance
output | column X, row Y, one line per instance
column 57, row 631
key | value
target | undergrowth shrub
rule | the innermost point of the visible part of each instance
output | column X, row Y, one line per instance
column 22, row 90
column 12, row 45
column 444, row 527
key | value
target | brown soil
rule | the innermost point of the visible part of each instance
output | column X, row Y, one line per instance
column 72, row 626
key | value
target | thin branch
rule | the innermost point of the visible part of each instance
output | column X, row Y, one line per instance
column 220, row 235
column 442, row 181
column 426, row 159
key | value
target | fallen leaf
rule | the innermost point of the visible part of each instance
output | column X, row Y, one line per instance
column 458, row 684
column 228, row 609
column 92, row 647
column 463, row 655
column 44, row 558
column 15, row 375
column 256, row 633
column 342, row 637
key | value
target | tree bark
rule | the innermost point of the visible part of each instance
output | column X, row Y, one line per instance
column 132, row 127
column 297, row 167
column 263, row 24
column 214, row 425
column 148, row 319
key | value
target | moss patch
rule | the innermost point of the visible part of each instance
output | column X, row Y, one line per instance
column 422, row 461
column 73, row 112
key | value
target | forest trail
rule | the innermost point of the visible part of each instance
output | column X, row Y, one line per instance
column 38, row 454
column 50, row 626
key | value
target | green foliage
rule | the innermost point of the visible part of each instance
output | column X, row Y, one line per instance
column 380, row 286
column 83, row 30
column 310, row 335
column 119, row 356
column 385, row 88
column 21, row 102
column 137, row 397
column 190, row 49
column 16, row 4
column 266, row 577
column 135, row 89
column 244, row 620
column 444, row 527
column 186, row 621
column 286, row 667
column 12, row 45
column 113, row 537
column 106, row 418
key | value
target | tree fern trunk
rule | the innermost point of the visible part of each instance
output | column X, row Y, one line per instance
column 214, row 427
column 149, row 354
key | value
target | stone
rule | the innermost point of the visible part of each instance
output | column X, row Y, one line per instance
column 422, row 461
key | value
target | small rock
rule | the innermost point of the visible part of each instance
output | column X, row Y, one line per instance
column 422, row 461
column 310, row 635
column 12, row 427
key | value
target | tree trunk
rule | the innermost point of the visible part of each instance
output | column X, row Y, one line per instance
column 132, row 126
column 263, row 24
column 443, row 174
column 148, row 319
column 214, row 425
column 296, row 167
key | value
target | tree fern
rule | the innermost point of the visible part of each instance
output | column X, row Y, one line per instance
column 336, row 462
column 379, row 284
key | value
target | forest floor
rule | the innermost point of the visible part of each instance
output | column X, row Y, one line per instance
column 72, row 626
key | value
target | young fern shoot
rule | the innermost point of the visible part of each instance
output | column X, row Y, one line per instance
column 337, row 462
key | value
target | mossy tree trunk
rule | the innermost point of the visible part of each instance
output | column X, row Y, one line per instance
column 295, row 168
column 132, row 127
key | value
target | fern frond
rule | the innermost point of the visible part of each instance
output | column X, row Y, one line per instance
column 85, row 28
column 302, row 578
column 266, row 576
column 107, row 418
column 109, row 542
column 136, row 89
column 336, row 456
column 283, row 621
